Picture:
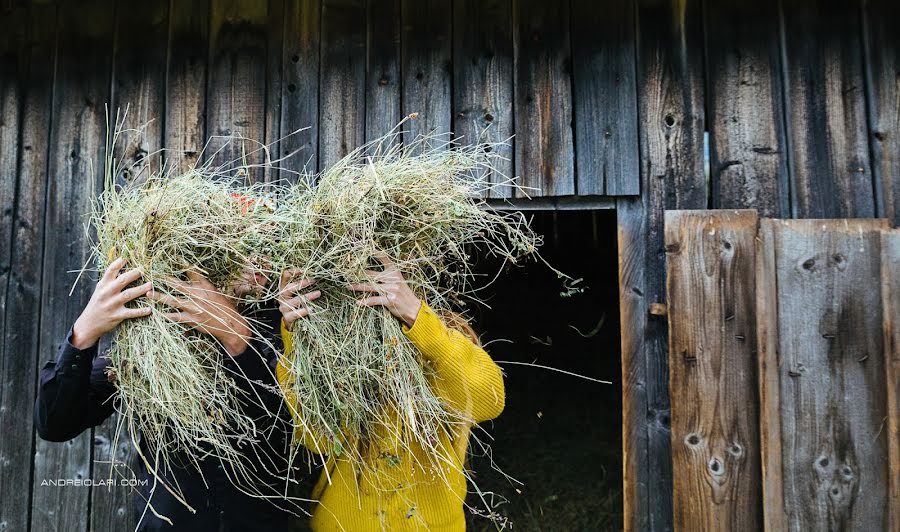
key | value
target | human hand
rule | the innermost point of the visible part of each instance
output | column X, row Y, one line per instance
column 291, row 303
column 207, row 310
column 106, row 308
column 393, row 292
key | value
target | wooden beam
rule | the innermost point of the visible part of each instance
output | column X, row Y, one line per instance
column 890, row 297
column 711, row 285
column 383, row 69
column 300, row 87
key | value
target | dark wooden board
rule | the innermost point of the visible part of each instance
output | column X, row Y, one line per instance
column 236, row 92
column 383, row 69
column 826, row 122
column 76, row 155
column 139, row 82
column 890, row 297
column 300, row 87
column 711, row 287
column 605, row 97
column 185, row 134
column 670, row 106
column 426, row 66
column 881, row 33
column 342, row 81
column 483, row 82
column 828, row 364
column 275, row 17
column 748, row 150
column 22, row 285
column 544, row 151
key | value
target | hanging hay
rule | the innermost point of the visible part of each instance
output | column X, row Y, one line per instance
column 172, row 383
column 352, row 371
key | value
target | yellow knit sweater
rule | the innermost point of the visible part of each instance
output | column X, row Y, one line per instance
column 400, row 491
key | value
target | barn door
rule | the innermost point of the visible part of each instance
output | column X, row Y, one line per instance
column 783, row 360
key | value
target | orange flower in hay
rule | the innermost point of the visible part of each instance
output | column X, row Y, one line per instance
column 245, row 202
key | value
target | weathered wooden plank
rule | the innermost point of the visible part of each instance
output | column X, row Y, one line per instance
column 544, row 148
column 275, row 23
column 606, row 126
column 300, row 87
column 185, row 120
column 881, row 28
column 670, row 107
column 483, row 82
column 711, row 285
column 236, row 91
column 830, row 364
column 826, row 123
column 426, row 66
column 343, row 74
column 890, row 297
column 768, row 362
column 748, row 159
column 139, row 70
column 76, row 154
column 383, row 68
column 27, row 54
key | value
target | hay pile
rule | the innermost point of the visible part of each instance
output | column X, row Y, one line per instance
column 353, row 372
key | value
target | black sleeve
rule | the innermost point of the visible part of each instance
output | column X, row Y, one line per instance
column 74, row 393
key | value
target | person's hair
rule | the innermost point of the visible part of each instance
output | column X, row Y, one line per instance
column 457, row 321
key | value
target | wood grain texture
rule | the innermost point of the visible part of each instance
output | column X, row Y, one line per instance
column 748, row 153
column 829, row 355
column 670, row 105
column 274, row 68
column 343, row 79
column 483, row 82
column 300, row 87
column 383, row 69
column 76, row 155
column 185, row 121
column 881, row 33
column 427, row 70
column 711, row 261
column 826, row 122
column 605, row 97
column 25, row 225
column 544, row 150
column 236, row 93
column 138, row 85
column 890, row 297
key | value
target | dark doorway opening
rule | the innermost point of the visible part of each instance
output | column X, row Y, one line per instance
column 560, row 435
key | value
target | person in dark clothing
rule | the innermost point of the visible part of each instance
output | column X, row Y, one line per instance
column 77, row 392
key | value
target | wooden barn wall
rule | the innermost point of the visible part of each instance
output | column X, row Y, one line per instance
column 609, row 101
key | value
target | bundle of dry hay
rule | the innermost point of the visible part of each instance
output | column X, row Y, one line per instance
column 172, row 383
column 352, row 372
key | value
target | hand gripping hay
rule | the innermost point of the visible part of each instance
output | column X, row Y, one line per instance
column 352, row 372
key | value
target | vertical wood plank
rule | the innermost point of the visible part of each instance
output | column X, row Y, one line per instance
column 33, row 47
column 483, row 81
column 275, row 23
column 300, row 87
column 712, row 369
column 890, row 297
column 606, row 128
column 670, row 106
column 185, row 121
column 826, row 122
column 343, row 79
column 426, row 48
column 236, row 91
column 543, row 98
column 831, row 373
column 382, row 68
column 76, row 155
column 138, row 84
column 882, row 63
column 748, row 159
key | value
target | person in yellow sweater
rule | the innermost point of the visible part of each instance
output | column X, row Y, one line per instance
column 400, row 490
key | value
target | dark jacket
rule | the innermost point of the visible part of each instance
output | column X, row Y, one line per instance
column 76, row 394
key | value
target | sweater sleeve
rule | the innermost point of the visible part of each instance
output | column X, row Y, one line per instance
column 313, row 442
column 467, row 379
